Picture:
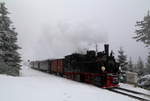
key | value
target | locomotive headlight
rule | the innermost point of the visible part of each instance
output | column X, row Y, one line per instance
column 103, row 68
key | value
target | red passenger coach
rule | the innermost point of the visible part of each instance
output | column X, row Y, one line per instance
column 57, row 66
column 54, row 66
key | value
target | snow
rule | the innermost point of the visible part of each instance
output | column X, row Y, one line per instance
column 39, row 86
column 146, row 76
column 144, row 81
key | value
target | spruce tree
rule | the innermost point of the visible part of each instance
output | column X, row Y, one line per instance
column 130, row 65
column 140, row 67
column 143, row 34
column 148, row 64
column 9, row 56
column 122, row 59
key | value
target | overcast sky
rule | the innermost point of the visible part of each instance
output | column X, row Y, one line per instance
column 55, row 28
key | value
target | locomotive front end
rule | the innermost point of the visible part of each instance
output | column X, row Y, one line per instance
column 109, row 68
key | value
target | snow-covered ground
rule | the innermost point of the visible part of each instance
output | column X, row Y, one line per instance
column 38, row 86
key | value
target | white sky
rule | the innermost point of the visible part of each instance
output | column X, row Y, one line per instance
column 55, row 28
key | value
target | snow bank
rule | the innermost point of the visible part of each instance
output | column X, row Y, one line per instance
column 146, row 76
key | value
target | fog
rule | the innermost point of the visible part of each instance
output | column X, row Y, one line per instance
column 55, row 28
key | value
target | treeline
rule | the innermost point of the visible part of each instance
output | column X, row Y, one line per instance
column 142, row 34
column 127, row 64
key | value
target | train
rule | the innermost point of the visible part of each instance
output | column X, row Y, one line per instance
column 97, row 68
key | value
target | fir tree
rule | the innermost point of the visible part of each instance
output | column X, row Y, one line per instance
column 140, row 67
column 143, row 30
column 148, row 64
column 122, row 59
column 130, row 65
column 9, row 57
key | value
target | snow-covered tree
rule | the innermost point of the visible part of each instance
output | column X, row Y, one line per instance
column 143, row 30
column 143, row 35
column 9, row 57
column 122, row 59
column 140, row 67
column 130, row 65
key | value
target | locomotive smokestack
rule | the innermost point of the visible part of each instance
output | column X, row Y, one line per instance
column 106, row 46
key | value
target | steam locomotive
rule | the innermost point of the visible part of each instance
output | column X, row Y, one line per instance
column 97, row 68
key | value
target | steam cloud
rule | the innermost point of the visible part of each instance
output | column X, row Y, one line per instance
column 65, row 38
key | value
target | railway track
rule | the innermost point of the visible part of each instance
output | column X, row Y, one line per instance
column 133, row 94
